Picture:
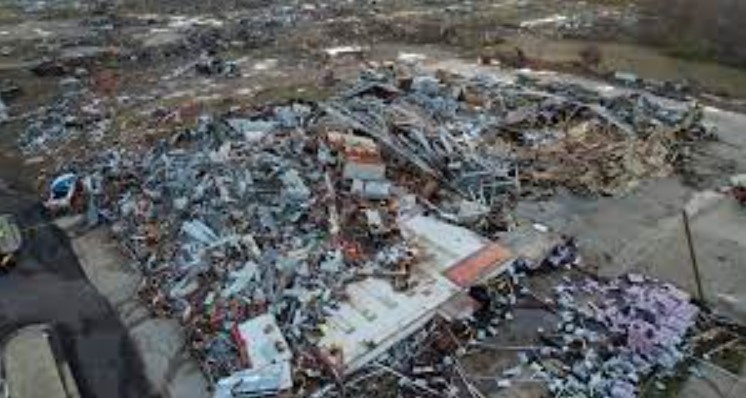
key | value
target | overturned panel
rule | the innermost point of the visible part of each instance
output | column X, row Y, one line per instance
column 375, row 317
column 460, row 254
column 444, row 244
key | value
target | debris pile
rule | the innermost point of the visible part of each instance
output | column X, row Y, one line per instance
column 615, row 334
column 599, row 145
column 298, row 216
column 612, row 337
column 478, row 133
column 423, row 121
column 244, row 217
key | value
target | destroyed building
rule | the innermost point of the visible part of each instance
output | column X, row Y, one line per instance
column 304, row 198
column 299, row 243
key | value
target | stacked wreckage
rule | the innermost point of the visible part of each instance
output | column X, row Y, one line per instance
column 320, row 249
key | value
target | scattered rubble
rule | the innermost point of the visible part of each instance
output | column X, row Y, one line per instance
column 331, row 232
column 75, row 114
column 210, row 65
column 584, row 20
column 360, row 245
column 614, row 338
column 483, row 135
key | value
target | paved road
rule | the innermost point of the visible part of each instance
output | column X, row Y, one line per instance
column 49, row 286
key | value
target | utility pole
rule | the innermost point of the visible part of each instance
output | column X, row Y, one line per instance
column 693, row 255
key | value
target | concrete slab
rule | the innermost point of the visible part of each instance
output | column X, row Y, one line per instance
column 713, row 382
column 105, row 267
column 187, row 381
column 158, row 341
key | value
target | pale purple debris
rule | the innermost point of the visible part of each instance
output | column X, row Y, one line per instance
column 651, row 314
column 650, row 317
